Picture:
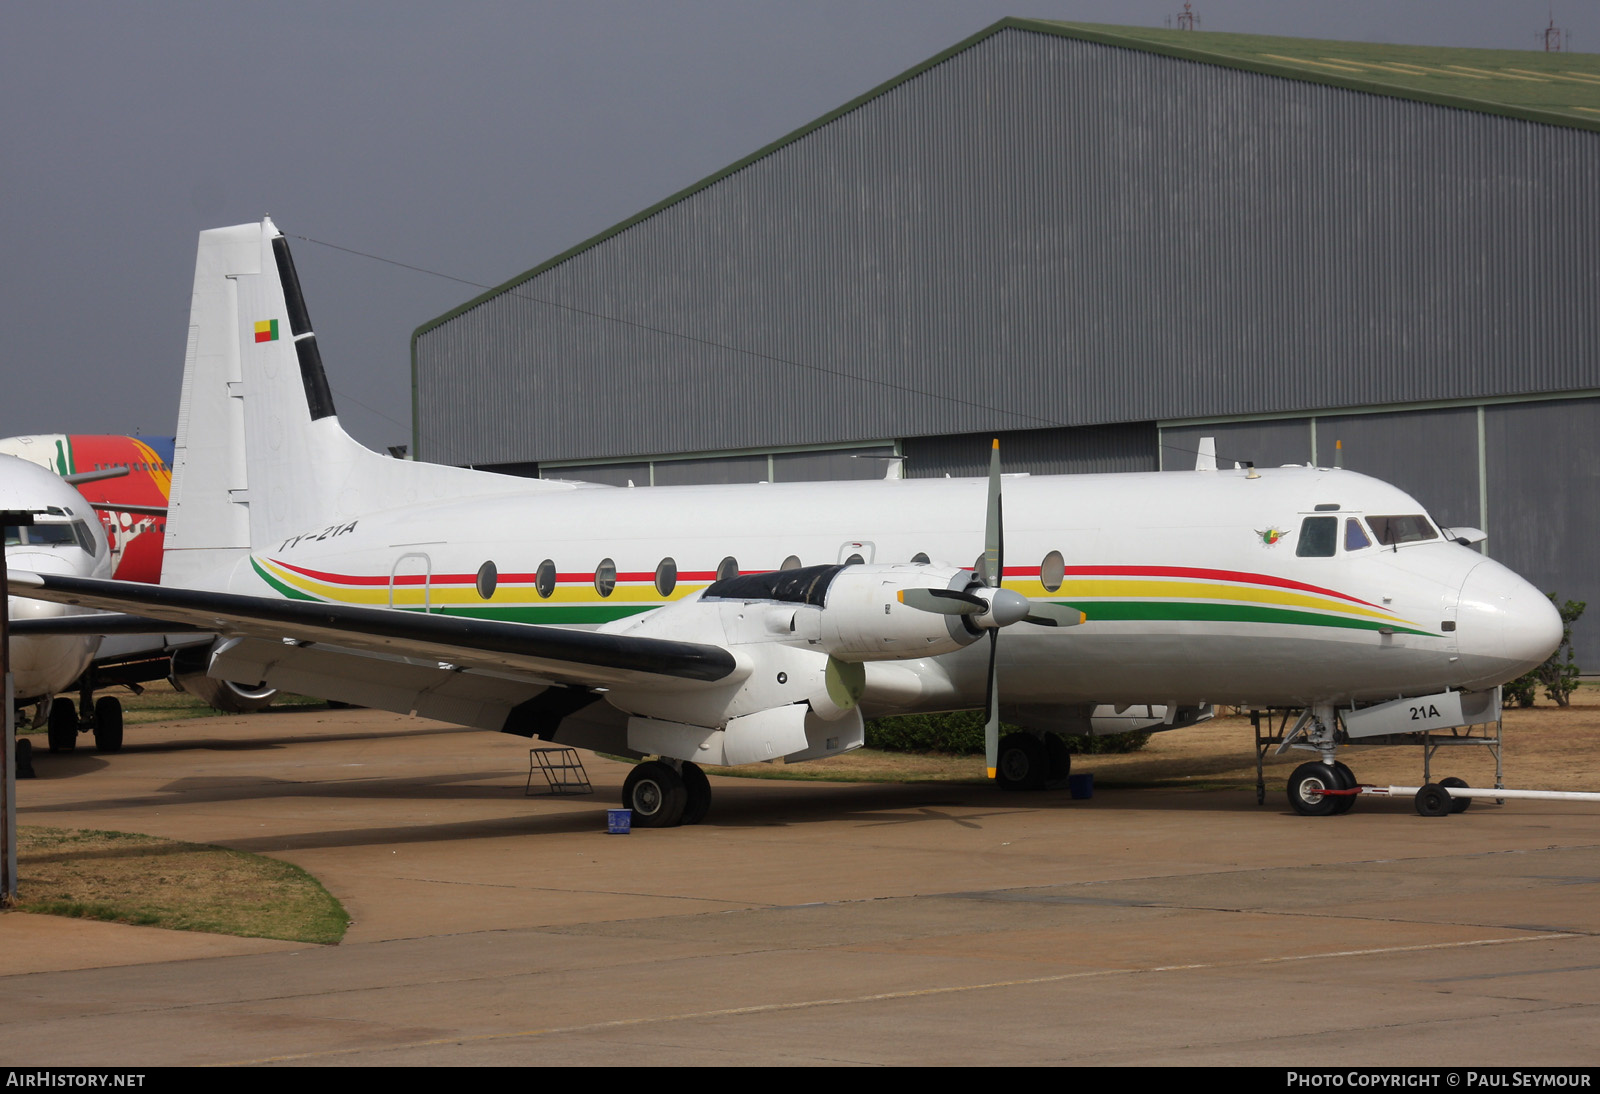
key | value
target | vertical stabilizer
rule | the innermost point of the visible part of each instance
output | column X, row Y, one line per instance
column 260, row 454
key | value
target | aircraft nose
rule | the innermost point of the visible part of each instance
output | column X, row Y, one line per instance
column 39, row 562
column 1505, row 626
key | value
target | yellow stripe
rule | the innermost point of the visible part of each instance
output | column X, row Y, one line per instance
column 411, row 596
column 1196, row 590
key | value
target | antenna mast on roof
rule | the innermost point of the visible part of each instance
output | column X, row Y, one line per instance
column 1187, row 19
column 1555, row 38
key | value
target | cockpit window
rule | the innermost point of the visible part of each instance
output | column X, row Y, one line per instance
column 74, row 534
column 1319, row 536
column 1413, row 528
column 807, row 585
column 1355, row 536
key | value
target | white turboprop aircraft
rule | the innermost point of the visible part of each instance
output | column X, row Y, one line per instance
column 739, row 624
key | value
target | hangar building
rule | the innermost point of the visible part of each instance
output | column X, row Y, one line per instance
column 1101, row 244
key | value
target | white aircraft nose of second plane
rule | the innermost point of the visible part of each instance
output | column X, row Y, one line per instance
column 1505, row 626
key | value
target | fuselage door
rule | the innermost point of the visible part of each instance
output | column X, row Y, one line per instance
column 856, row 551
column 411, row 582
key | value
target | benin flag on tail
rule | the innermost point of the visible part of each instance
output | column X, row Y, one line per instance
column 267, row 330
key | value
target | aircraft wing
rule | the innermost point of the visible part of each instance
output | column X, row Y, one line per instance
column 534, row 653
column 100, row 623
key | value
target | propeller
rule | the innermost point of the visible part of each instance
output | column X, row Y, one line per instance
column 987, row 604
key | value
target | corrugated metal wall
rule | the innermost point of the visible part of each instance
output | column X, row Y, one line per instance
column 1042, row 231
column 1543, row 464
column 1089, row 450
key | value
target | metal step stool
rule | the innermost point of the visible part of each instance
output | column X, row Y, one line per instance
column 563, row 771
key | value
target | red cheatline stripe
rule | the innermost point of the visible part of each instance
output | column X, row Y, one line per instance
column 1210, row 575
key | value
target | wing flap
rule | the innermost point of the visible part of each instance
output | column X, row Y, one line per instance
column 382, row 681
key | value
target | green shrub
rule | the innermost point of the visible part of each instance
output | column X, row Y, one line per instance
column 1559, row 673
column 960, row 733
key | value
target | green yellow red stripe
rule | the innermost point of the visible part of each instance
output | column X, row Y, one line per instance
column 1109, row 593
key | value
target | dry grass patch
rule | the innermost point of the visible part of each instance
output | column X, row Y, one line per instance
column 124, row 877
column 1545, row 748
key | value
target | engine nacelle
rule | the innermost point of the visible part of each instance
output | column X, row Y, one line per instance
column 189, row 674
column 863, row 618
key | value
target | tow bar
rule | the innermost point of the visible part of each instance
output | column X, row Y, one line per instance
column 1448, row 796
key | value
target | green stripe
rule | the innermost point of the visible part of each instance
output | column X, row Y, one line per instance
column 1098, row 610
column 549, row 613
column 288, row 591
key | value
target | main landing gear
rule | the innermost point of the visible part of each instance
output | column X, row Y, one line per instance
column 105, row 722
column 667, row 793
column 1029, row 761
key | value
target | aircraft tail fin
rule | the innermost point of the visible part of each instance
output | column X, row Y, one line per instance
column 260, row 454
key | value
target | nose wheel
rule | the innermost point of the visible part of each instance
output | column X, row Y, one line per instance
column 1309, row 784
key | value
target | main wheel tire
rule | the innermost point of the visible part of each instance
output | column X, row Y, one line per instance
column 63, row 730
column 1058, row 758
column 1457, row 805
column 1306, row 786
column 108, row 724
column 656, row 795
column 1433, row 800
column 1345, row 802
column 1022, row 763
column 698, row 789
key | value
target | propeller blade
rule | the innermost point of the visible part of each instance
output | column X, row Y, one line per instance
column 991, row 728
column 993, row 530
column 943, row 601
column 1054, row 615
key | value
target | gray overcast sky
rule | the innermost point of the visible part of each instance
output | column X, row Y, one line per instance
column 476, row 139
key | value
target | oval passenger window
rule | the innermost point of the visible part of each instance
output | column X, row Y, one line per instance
column 488, row 578
column 1052, row 571
column 545, row 580
column 666, row 577
column 728, row 567
column 605, row 577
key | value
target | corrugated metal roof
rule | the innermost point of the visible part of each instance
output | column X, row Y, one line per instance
column 1555, row 88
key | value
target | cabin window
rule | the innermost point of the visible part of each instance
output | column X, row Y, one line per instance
column 921, row 558
column 854, row 560
column 1052, row 571
column 666, row 577
column 791, row 563
column 1319, row 536
column 488, row 578
column 545, row 580
column 728, row 567
column 1355, row 537
column 1413, row 528
column 605, row 577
